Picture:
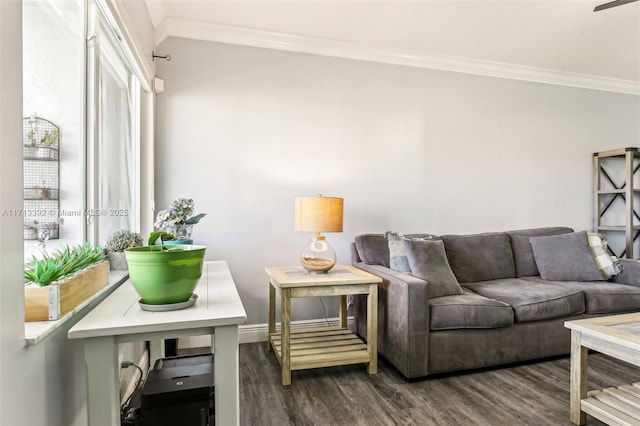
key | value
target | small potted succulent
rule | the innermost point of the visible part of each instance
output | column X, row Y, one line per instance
column 117, row 243
column 43, row 192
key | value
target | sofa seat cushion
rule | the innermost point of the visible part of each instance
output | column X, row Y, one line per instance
column 480, row 257
column 468, row 310
column 602, row 297
column 532, row 301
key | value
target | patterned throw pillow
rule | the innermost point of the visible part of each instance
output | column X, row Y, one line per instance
column 607, row 265
column 397, row 254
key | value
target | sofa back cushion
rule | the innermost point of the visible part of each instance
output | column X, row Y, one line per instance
column 521, row 247
column 480, row 257
column 373, row 249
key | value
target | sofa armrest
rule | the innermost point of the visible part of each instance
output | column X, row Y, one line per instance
column 403, row 319
column 630, row 274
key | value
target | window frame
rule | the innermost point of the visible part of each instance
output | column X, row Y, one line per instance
column 102, row 39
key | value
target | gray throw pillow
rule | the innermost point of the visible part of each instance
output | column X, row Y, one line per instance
column 565, row 257
column 428, row 261
column 397, row 254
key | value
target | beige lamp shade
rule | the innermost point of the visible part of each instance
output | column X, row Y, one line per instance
column 318, row 214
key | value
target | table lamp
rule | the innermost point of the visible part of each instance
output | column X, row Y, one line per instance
column 318, row 214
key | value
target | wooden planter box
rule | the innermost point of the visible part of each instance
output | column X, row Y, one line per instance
column 58, row 298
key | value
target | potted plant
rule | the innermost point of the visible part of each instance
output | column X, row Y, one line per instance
column 57, row 283
column 38, row 144
column 48, row 230
column 29, row 142
column 116, row 245
column 165, row 274
column 42, row 191
column 175, row 224
column 30, row 231
column 166, row 271
column 50, row 138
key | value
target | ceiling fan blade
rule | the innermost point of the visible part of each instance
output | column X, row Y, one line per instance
column 612, row 4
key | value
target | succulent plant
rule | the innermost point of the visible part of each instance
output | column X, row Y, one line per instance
column 62, row 263
column 175, row 223
column 121, row 240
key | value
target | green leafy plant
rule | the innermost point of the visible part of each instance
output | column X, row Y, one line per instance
column 155, row 235
column 121, row 240
column 31, row 137
column 63, row 262
column 50, row 138
column 41, row 185
column 177, row 220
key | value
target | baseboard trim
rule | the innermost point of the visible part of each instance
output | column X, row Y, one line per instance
column 253, row 333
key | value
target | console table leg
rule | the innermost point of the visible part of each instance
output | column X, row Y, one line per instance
column 578, row 378
column 156, row 350
column 103, row 381
column 226, row 368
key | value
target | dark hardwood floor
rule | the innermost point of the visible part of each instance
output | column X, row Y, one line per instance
column 533, row 394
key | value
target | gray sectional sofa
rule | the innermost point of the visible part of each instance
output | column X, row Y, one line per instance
column 502, row 312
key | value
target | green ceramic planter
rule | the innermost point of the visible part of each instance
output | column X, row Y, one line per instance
column 165, row 274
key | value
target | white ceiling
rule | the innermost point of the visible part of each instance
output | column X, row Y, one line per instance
column 561, row 36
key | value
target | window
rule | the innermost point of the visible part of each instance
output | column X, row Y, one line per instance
column 77, row 77
column 53, row 89
column 114, row 168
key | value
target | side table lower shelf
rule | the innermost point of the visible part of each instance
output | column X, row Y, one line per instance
column 322, row 347
column 619, row 405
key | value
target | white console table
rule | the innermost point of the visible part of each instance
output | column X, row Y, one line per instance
column 119, row 318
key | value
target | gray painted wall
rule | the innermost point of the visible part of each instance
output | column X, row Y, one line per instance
column 245, row 130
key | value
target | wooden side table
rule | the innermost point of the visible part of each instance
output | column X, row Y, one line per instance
column 617, row 336
column 322, row 346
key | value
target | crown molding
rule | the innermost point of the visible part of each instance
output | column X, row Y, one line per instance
column 157, row 10
column 349, row 50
